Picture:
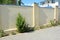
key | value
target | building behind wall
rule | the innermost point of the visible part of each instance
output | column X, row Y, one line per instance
column 51, row 3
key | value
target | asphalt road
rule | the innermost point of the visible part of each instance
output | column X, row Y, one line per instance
column 52, row 33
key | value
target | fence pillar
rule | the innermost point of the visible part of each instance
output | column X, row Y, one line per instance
column 35, row 15
column 56, row 13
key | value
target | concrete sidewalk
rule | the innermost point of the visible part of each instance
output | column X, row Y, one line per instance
column 52, row 33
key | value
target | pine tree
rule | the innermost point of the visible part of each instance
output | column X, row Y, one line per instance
column 20, row 23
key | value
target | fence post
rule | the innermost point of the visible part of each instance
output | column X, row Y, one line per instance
column 56, row 13
column 35, row 15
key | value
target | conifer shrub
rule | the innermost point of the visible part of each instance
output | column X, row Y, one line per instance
column 21, row 24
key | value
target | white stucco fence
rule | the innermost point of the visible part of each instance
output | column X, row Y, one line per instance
column 34, row 15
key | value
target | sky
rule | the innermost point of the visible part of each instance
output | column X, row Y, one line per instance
column 29, row 2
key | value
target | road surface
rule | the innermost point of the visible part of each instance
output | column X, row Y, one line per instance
column 52, row 33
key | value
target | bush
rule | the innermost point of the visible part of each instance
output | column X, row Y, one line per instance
column 1, row 33
column 21, row 24
column 54, row 22
column 50, row 24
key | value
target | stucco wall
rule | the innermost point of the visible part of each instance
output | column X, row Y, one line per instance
column 46, row 14
column 34, row 15
column 4, row 17
column 59, row 14
column 9, row 14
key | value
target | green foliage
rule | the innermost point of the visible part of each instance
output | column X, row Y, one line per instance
column 6, row 2
column 1, row 33
column 22, row 26
column 1, row 1
column 53, row 22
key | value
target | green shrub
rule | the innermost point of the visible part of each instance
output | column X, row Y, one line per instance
column 53, row 22
column 50, row 24
column 1, row 33
column 21, row 24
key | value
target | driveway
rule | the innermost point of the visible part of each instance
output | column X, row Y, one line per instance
column 52, row 33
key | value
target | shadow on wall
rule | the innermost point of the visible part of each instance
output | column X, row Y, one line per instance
column 4, row 17
column 43, row 17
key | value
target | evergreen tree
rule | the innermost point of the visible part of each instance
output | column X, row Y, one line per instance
column 20, row 23
column 22, row 26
